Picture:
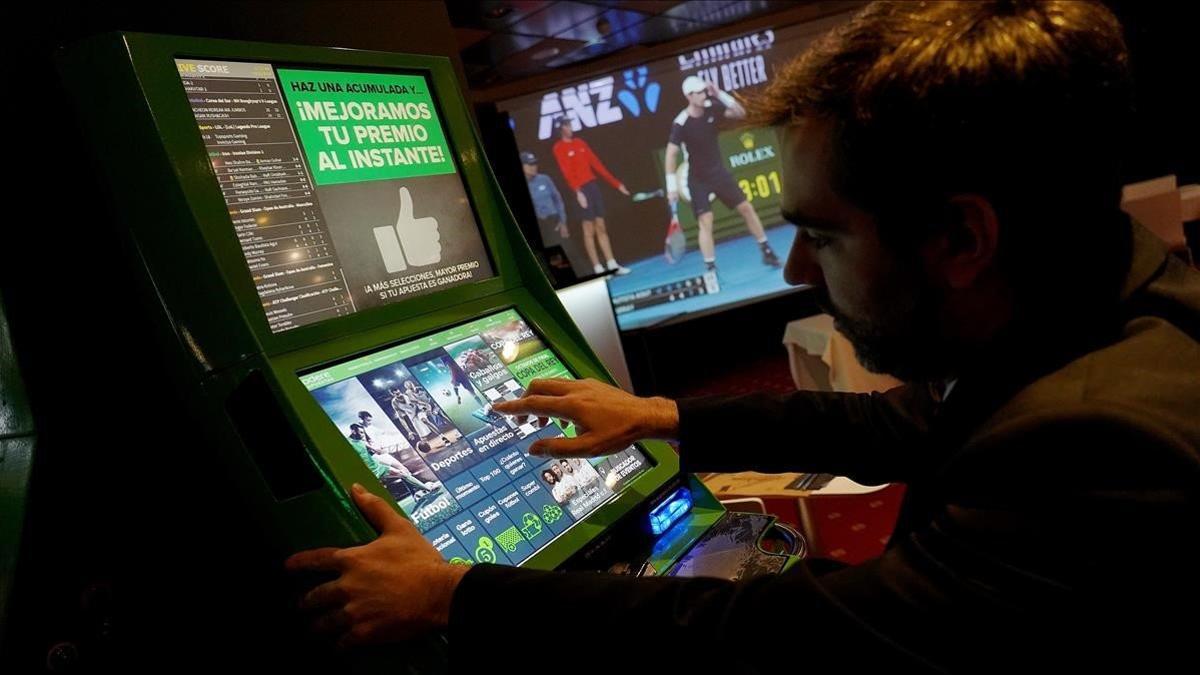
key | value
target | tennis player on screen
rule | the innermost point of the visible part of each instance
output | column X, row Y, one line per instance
column 695, row 129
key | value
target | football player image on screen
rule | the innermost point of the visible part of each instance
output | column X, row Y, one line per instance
column 459, row 380
column 414, row 416
column 406, row 488
column 380, row 463
column 425, row 404
column 579, row 166
column 695, row 129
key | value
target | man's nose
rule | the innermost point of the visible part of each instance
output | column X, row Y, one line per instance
column 801, row 267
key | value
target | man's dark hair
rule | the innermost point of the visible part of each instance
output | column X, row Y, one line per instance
column 1023, row 103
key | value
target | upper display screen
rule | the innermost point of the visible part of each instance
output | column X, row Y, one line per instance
column 420, row 416
column 342, row 187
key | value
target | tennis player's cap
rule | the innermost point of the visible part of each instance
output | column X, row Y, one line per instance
column 528, row 158
column 693, row 84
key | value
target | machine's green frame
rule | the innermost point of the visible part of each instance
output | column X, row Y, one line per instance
column 136, row 109
column 17, row 441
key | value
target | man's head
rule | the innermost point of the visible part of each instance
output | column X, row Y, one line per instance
column 364, row 417
column 529, row 164
column 951, row 168
column 695, row 90
column 549, row 477
column 563, row 125
column 566, row 466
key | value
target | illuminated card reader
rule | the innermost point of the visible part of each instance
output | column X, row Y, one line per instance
column 670, row 510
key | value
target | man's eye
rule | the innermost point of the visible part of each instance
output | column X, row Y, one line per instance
column 815, row 241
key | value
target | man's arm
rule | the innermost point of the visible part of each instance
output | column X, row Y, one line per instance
column 670, row 164
column 600, row 169
column 872, row 437
column 1075, row 564
column 999, row 572
column 559, row 207
column 733, row 109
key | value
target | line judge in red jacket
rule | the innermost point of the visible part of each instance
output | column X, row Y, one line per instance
column 579, row 166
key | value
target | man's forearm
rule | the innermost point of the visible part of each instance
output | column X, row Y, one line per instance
column 661, row 420
column 872, row 437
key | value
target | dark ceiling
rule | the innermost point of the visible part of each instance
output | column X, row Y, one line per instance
column 503, row 40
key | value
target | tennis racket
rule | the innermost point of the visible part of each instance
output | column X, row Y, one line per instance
column 643, row 196
column 675, row 245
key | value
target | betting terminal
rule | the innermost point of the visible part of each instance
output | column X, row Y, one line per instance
column 347, row 294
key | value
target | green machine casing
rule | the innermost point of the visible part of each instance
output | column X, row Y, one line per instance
column 17, row 442
column 291, row 463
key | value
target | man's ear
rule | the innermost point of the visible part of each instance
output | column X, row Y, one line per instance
column 966, row 248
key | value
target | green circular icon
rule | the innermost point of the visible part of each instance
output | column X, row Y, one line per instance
column 485, row 552
column 457, row 560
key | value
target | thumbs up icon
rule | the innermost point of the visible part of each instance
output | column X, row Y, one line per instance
column 413, row 241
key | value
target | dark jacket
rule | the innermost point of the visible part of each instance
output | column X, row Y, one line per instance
column 1050, row 521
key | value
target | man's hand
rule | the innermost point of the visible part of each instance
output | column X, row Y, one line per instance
column 623, row 190
column 582, row 199
column 395, row 588
column 562, row 230
column 607, row 418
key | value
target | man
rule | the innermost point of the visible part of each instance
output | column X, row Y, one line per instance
column 404, row 409
column 550, row 211
column 950, row 170
column 460, row 381
column 566, row 479
column 561, row 490
column 380, row 463
column 425, row 403
column 548, row 205
column 581, row 477
column 696, row 129
column 579, row 166
column 365, row 419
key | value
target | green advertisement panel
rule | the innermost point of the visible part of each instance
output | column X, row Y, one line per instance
column 357, row 127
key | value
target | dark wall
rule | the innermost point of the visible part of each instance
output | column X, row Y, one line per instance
column 136, row 555
column 1165, row 55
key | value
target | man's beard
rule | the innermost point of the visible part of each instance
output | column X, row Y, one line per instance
column 900, row 336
